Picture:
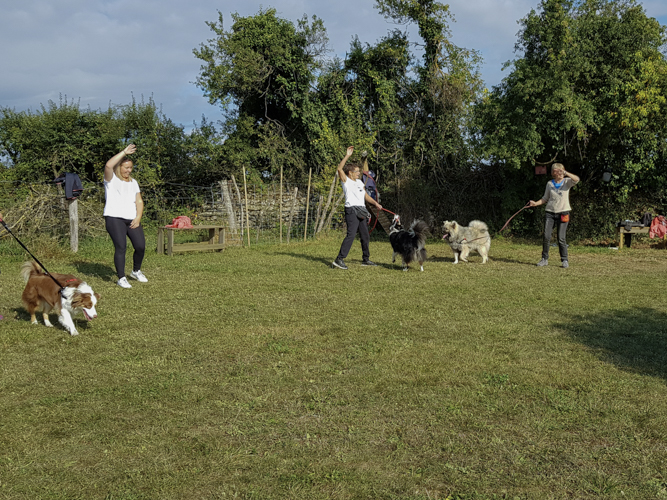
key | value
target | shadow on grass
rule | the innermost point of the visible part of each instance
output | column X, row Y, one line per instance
column 475, row 260
column 21, row 314
column 631, row 339
column 514, row 261
column 308, row 257
column 107, row 273
column 349, row 262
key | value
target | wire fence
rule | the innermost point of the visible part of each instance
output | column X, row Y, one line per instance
column 251, row 214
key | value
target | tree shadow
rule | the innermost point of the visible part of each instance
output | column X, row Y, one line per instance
column 106, row 273
column 634, row 339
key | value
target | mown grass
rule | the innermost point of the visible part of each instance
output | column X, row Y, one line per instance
column 264, row 373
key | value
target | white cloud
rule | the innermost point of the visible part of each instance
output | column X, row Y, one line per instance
column 102, row 51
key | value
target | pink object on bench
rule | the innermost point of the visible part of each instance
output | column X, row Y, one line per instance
column 181, row 222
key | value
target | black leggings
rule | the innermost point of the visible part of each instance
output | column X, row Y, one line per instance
column 119, row 230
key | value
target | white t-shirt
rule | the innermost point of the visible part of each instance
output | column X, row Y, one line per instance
column 121, row 198
column 355, row 193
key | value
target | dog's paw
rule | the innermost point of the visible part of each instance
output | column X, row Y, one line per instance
column 48, row 323
column 73, row 333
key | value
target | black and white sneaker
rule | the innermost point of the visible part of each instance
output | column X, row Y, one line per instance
column 339, row 264
column 368, row 263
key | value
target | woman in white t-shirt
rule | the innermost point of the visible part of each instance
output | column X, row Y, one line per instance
column 356, row 215
column 122, row 214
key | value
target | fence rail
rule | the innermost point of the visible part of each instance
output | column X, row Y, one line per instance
column 263, row 216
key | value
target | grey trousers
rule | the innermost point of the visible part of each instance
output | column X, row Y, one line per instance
column 552, row 219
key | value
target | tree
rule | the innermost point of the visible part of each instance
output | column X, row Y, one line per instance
column 61, row 137
column 589, row 91
column 261, row 72
column 437, row 103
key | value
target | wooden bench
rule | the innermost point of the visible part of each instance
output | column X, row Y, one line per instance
column 216, row 239
column 625, row 235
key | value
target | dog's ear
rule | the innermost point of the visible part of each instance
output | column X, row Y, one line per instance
column 97, row 296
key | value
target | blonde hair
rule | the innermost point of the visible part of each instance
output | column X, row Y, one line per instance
column 557, row 165
column 120, row 163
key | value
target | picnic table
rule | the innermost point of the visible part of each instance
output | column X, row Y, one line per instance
column 625, row 234
column 215, row 241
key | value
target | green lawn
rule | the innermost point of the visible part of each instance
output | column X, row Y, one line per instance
column 264, row 373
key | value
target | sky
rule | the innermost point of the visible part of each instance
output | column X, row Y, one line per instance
column 101, row 52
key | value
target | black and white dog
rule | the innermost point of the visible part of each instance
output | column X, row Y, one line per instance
column 408, row 244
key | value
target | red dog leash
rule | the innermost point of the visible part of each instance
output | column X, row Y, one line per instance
column 527, row 205
column 376, row 219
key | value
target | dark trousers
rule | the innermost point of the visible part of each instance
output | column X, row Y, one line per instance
column 355, row 225
column 552, row 219
column 119, row 230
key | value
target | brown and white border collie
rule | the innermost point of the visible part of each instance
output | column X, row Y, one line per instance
column 43, row 294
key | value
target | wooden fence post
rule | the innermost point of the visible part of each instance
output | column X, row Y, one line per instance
column 227, row 201
column 326, row 207
column 281, row 206
column 291, row 213
column 245, row 191
column 305, row 228
column 238, row 196
column 74, row 225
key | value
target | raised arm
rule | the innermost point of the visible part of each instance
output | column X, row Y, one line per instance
column 111, row 164
column 575, row 178
column 341, row 173
column 364, row 167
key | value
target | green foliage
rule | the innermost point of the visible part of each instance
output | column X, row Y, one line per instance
column 261, row 72
column 436, row 105
column 285, row 106
column 588, row 92
column 60, row 137
column 63, row 137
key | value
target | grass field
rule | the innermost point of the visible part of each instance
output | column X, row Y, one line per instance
column 263, row 373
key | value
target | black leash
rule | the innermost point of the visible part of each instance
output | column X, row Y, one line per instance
column 31, row 255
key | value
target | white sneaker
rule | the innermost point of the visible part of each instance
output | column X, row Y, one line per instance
column 123, row 283
column 139, row 276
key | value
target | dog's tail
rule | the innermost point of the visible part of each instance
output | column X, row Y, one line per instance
column 479, row 225
column 29, row 268
column 420, row 230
